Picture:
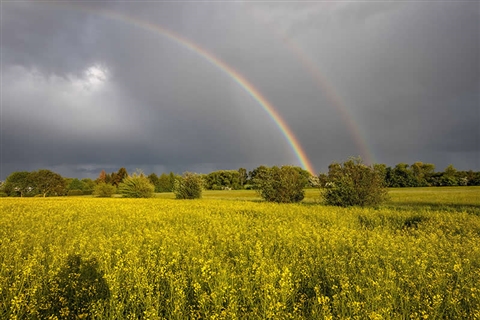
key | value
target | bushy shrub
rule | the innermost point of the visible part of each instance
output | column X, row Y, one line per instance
column 283, row 184
column 354, row 184
column 75, row 192
column 188, row 186
column 3, row 194
column 136, row 185
column 104, row 190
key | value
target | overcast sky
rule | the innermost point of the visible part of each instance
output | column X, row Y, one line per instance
column 86, row 88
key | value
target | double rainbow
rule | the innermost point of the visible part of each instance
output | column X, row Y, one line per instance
column 219, row 64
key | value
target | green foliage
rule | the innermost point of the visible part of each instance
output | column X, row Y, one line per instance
column 104, row 190
column 88, row 186
column 242, row 176
column 48, row 183
column 354, row 184
column 283, row 184
column 418, row 174
column 257, row 173
column 136, row 186
column 75, row 184
column 18, row 183
column 188, row 186
column 3, row 194
column 75, row 192
column 223, row 180
column 165, row 182
column 153, row 178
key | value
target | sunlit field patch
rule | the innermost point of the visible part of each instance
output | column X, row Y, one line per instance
column 230, row 255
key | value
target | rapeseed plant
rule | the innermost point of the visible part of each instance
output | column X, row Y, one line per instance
column 226, row 259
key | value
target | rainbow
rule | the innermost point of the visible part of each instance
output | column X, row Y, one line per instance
column 219, row 64
column 322, row 83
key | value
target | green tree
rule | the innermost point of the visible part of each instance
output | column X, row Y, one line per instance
column 257, row 174
column 19, row 182
column 153, row 178
column 354, row 184
column 304, row 173
column 422, row 172
column 381, row 169
column 48, row 182
column 188, row 186
column 75, row 184
column 283, row 185
column 88, row 185
column 109, row 178
column 322, row 179
column 400, row 176
column 136, row 185
column 222, row 179
column 242, row 176
column 164, row 183
column 450, row 171
column 173, row 177
column 473, row 178
column 449, row 177
column 104, row 190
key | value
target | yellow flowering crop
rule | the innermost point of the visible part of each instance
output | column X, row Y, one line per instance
column 237, row 259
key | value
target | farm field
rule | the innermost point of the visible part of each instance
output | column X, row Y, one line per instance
column 232, row 256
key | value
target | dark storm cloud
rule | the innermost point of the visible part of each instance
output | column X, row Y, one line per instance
column 409, row 76
column 84, row 91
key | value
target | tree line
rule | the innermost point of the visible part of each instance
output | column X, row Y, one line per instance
column 47, row 183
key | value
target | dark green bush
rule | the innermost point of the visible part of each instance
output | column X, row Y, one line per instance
column 354, row 184
column 75, row 192
column 188, row 186
column 136, row 186
column 283, row 185
column 103, row 190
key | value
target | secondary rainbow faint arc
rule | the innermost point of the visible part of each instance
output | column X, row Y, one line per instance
column 321, row 82
column 232, row 73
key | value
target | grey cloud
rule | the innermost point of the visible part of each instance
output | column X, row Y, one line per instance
column 407, row 75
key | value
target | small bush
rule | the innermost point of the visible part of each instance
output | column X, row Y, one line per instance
column 3, row 194
column 136, row 186
column 103, row 190
column 283, row 185
column 188, row 186
column 75, row 192
column 354, row 184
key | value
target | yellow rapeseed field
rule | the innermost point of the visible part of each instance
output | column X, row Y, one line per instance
column 235, row 257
